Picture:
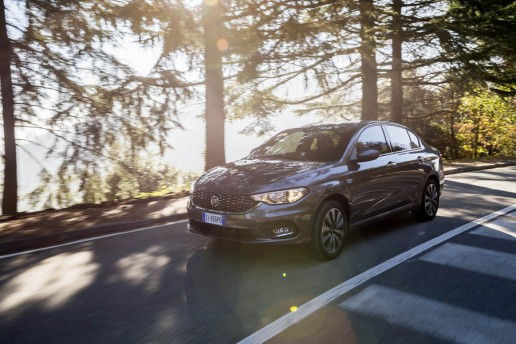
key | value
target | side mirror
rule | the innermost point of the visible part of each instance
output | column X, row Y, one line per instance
column 368, row 155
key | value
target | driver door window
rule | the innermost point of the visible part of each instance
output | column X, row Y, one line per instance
column 372, row 138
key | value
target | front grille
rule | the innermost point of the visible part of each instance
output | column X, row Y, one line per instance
column 227, row 203
column 232, row 233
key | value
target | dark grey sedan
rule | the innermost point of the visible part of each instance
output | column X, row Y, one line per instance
column 312, row 184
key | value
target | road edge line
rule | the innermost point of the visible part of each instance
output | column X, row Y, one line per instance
column 10, row 255
column 276, row 327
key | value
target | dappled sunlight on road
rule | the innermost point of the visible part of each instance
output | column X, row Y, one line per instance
column 172, row 208
column 52, row 282
column 144, row 269
column 118, row 210
column 463, row 193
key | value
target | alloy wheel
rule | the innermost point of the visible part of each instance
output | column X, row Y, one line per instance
column 333, row 230
column 431, row 199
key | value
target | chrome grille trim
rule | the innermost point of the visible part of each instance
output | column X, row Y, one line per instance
column 227, row 203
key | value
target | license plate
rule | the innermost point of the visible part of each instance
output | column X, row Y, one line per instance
column 214, row 219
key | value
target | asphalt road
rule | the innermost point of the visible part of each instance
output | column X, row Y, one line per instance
column 165, row 285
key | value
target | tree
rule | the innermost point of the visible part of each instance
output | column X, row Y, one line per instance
column 396, row 63
column 488, row 125
column 306, row 56
column 368, row 61
column 480, row 36
column 214, row 44
column 67, row 83
column 416, row 59
column 10, row 190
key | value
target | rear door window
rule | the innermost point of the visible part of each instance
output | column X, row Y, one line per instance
column 400, row 139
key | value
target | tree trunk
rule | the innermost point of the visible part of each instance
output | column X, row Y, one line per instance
column 10, row 196
column 368, row 55
column 477, row 137
column 215, row 116
column 455, row 142
column 396, row 76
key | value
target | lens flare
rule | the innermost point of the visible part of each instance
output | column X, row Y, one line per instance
column 222, row 44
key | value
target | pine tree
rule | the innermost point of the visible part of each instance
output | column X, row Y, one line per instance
column 368, row 61
column 396, row 100
column 214, row 44
column 10, row 190
column 67, row 84
column 480, row 36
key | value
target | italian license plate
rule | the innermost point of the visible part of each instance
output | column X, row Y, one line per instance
column 214, row 219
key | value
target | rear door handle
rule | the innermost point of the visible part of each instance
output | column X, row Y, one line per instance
column 391, row 164
column 420, row 159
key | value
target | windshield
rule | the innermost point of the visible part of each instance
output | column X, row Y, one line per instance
column 307, row 144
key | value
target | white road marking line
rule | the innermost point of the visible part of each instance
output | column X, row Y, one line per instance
column 500, row 229
column 481, row 260
column 88, row 239
column 289, row 319
column 431, row 317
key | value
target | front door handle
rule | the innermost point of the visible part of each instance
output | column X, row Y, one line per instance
column 420, row 159
column 391, row 164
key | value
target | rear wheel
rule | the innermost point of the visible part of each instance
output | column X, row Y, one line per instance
column 429, row 202
column 329, row 231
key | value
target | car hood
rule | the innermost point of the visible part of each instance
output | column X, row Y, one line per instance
column 250, row 176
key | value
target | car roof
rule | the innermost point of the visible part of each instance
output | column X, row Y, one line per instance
column 354, row 125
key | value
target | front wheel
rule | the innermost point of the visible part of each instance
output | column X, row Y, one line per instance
column 429, row 202
column 329, row 231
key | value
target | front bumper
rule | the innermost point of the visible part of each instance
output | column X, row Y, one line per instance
column 262, row 224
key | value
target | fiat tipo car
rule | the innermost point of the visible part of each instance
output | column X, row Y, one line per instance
column 314, row 183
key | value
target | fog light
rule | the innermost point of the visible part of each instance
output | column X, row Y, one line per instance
column 283, row 231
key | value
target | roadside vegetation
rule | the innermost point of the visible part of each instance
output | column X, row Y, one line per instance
column 445, row 68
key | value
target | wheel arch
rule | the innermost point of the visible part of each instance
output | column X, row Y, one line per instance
column 435, row 178
column 341, row 199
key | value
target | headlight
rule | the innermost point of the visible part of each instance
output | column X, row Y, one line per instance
column 282, row 196
column 192, row 187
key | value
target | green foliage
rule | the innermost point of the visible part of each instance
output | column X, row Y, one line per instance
column 479, row 36
column 464, row 125
column 143, row 176
column 488, row 125
column 146, row 179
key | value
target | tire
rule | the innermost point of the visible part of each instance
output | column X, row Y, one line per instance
column 329, row 230
column 429, row 203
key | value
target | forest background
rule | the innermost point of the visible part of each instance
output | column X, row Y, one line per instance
column 108, row 100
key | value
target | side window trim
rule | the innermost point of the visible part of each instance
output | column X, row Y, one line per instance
column 418, row 143
column 387, row 140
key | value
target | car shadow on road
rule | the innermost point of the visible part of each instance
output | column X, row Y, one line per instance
column 234, row 289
